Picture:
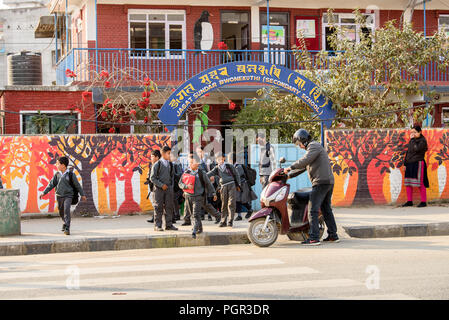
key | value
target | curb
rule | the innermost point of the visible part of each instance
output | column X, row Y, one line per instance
column 399, row 230
column 121, row 243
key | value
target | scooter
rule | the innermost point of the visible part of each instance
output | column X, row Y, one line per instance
column 281, row 212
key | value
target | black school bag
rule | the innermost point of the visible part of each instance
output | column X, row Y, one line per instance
column 75, row 198
column 250, row 174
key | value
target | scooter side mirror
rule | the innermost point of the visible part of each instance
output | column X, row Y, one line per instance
column 282, row 160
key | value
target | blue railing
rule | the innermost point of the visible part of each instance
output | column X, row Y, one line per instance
column 175, row 66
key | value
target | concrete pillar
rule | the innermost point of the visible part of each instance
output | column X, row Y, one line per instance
column 9, row 212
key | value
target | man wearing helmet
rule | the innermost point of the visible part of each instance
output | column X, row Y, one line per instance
column 317, row 164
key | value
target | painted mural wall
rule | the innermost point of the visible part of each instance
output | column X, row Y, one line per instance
column 111, row 168
column 368, row 165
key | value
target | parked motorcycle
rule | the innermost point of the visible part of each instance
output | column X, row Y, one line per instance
column 281, row 212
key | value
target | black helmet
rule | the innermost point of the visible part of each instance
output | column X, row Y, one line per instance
column 303, row 136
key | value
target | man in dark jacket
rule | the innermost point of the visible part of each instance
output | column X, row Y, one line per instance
column 317, row 164
column 62, row 181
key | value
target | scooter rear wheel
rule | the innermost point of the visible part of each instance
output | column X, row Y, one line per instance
column 304, row 235
column 262, row 238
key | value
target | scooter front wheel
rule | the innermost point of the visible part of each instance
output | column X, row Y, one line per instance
column 260, row 237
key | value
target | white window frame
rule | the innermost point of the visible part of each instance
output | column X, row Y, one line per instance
column 444, row 121
column 443, row 26
column 147, row 12
column 346, row 16
column 29, row 112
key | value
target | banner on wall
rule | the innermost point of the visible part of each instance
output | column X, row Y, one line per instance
column 236, row 72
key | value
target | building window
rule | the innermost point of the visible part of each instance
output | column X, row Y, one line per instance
column 50, row 123
column 53, row 57
column 152, row 33
column 346, row 21
column 443, row 23
column 445, row 116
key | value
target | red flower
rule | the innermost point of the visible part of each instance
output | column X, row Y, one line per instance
column 173, row 90
column 114, row 112
column 86, row 95
column 133, row 112
column 145, row 120
column 104, row 114
column 146, row 94
column 147, row 82
column 107, row 84
column 112, row 130
column 222, row 46
column 232, row 106
column 70, row 74
column 207, row 94
column 166, row 130
column 104, row 74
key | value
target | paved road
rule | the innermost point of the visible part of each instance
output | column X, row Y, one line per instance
column 389, row 268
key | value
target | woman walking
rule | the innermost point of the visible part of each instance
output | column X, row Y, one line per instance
column 415, row 167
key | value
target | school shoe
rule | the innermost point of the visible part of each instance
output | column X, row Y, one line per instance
column 230, row 224
column 209, row 218
column 171, row 228
column 186, row 224
column 193, row 235
column 309, row 242
column 248, row 215
column 422, row 204
column 238, row 218
column 63, row 227
column 222, row 224
column 150, row 220
column 408, row 204
column 67, row 232
column 330, row 239
column 158, row 229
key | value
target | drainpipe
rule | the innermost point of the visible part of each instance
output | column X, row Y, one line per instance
column 56, row 38
column 96, row 37
column 268, row 31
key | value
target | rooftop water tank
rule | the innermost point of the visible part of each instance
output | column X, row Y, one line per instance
column 24, row 68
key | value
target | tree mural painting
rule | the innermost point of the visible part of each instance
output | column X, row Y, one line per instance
column 132, row 155
column 86, row 153
column 368, row 164
column 365, row 153
column 442, row 157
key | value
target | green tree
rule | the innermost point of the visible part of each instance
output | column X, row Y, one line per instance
column 378, row 74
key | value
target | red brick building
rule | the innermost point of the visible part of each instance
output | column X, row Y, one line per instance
column 172, row 42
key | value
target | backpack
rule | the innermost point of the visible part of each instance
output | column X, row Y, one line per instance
column 75, row 198
column 228, row 166
column 250, row 174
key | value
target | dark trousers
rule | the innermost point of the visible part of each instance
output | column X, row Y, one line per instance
column 321, row 198
column 163, row 205
column 228, row 203
column 205, row 206
column 193, row 206
column 64, row 204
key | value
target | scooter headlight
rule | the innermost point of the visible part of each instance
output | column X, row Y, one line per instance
column 277, row 196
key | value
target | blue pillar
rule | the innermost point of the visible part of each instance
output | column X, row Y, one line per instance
column 268, row 31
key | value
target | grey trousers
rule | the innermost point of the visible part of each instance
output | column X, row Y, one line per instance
column 163, row 204
column 64, row 204
column 264, row 181
column 228, row 204
column 206, row 206
column 193, row 206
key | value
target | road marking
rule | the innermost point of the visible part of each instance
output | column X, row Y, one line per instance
column 125, row 259
column 392, row 296
column 270, row 287
column 141, row 268
column 85, row 283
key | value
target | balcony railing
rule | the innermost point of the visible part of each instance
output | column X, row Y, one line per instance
column 176, row 66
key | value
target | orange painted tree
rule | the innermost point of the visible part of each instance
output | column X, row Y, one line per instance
column 363, row 151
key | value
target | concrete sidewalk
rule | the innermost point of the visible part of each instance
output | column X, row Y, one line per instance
column 134, row 232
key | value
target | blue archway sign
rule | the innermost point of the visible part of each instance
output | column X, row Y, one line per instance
column 245, row 71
